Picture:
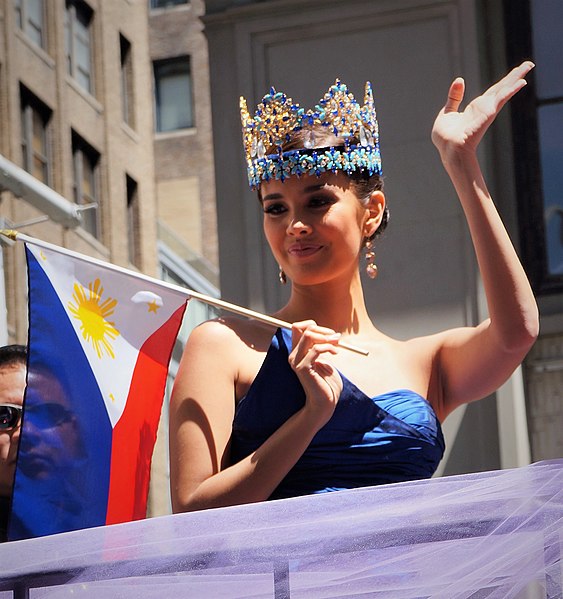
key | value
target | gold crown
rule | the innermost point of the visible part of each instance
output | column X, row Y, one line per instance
column 277, row 118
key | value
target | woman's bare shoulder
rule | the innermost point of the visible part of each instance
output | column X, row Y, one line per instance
column 434, row 342
column 230, row 333
column 230, row 348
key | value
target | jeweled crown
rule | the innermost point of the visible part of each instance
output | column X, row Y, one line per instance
column 278, row 118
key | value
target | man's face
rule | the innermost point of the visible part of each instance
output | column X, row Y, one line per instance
column 12, row 386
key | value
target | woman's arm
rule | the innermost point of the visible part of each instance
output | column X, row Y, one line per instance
column 201, row 417
column 473, row 362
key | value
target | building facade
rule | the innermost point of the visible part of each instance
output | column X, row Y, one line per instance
column 76, row 113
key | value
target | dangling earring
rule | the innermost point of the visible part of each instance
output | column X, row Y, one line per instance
column 371, row 267
column 282, row 277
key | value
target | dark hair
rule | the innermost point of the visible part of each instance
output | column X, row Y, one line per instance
column 12, row 355
column 362, row 183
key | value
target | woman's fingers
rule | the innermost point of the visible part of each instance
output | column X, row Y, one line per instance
column 311, row 357
column 502, row 90
column 311, row 325
column 461, row 130
column 320, row 380
column 308, row 335
column 455, row 95
column 323, row 369
column 512, row 80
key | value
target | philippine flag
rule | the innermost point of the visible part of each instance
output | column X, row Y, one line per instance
column 100, row 341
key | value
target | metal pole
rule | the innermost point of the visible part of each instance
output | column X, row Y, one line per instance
column 41, row 196
column 3, row 306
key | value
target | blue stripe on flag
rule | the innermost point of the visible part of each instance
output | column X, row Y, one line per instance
column 62, row 473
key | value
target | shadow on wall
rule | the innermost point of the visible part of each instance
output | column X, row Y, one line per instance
column 476, row 445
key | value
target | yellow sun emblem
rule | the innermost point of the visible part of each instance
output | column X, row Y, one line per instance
column 92, row 312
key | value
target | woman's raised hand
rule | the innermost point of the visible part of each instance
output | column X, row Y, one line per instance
column 455, row 132
column 320, row 380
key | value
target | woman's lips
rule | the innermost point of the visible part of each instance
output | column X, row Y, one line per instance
column 303, row 249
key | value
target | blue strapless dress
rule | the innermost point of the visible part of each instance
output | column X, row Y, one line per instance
column 389, row 438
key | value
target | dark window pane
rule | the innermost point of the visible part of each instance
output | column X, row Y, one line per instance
column 165, row 3
column 547, row 33
column 39, row 137
column 534, row 31
column 35, row 21
column 19, row 14
column 35, row 143
column 87, row 178
column 78, row 44
column 35, row 11
column 68, row 41
column 133, row 227
column 85, row 162
column 39, row 169
column 30, row 18
column 551, row 147
column 127, row 97
column 173, row 95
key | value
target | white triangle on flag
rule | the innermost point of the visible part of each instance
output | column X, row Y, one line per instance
column 112, row 313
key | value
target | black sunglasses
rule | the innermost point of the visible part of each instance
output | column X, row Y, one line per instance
column 10, row 416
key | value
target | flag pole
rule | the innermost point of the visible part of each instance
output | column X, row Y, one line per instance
column 218, row 303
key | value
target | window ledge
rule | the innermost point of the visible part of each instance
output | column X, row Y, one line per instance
column 130, row 132
column 178, row 133
column 165, row 9
column 94, row 243
column 84, row 94
column 40, row 52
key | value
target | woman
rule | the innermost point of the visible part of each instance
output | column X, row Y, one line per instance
column 254, row 418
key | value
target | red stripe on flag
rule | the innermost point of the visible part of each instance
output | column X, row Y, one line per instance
column 134, row 435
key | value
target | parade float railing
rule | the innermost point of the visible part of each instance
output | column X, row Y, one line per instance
column 494, row 534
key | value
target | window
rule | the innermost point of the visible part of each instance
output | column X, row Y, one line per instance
column 534, row 31
column 127, row 101
column 133, row 225
column 35, row 117
column 78, row 42
column 173, row 94
column 30, row 18
column 166, row 3
column 86, row 185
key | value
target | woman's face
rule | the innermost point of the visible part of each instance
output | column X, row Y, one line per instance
column 315, row 226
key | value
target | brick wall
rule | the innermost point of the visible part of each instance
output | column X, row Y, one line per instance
column 96, row 117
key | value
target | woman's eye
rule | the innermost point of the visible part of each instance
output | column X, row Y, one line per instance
column 319, row 201
column 274, row 209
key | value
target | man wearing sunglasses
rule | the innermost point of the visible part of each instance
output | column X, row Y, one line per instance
column 13, row 363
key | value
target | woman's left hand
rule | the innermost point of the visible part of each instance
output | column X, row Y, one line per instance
column 458, row 133
column 475, row 361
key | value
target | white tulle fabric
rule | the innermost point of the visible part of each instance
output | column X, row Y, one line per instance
column 487, row 535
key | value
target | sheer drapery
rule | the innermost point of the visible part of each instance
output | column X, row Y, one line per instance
column 494, row 534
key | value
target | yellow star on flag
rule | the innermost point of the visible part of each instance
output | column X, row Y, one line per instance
column 153, row 306
column 151, row 300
